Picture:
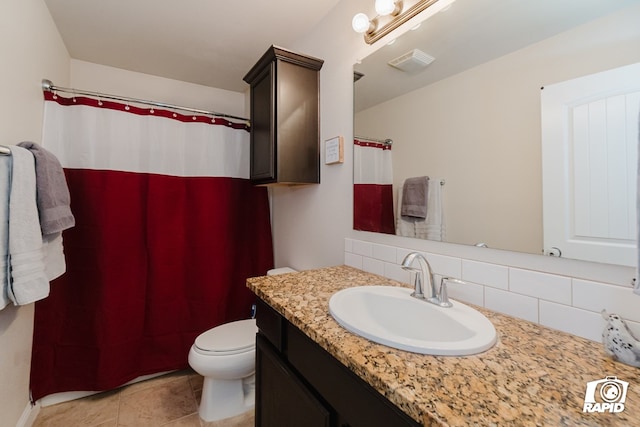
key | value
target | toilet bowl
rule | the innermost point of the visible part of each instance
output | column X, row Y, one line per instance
column 225, row 357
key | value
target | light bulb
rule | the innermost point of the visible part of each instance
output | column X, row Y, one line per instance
column 385, row 7
column 360, row 23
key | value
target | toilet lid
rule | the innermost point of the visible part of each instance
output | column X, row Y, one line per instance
column 233, row 336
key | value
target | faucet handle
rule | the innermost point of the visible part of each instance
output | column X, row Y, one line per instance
column 418, row 292
column 443, row 296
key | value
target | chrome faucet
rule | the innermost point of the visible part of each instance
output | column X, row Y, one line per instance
column 425, row 274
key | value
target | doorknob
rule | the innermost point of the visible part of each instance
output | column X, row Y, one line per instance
column 554, row 251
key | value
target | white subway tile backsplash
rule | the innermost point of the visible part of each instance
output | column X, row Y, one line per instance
column 353, row 260
column 395, row 272
column 445, row 265
column 374, row 266
column 384, row 253
column 348, row 245
column 634, row 327
column 469, row 292
column 596, row 297
column 496, row 276
column 558, row 302
column 363, row 248
column 515, row 305
column 401, row 254
column 540, row 285
column 582, row 323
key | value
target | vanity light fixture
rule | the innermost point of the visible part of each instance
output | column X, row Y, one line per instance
column 388, row 7
column 394, row 14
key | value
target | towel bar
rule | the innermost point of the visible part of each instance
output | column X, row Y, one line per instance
column 4, row 151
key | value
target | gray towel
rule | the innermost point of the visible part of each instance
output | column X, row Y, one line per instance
column 414, row 197
column 52, row 193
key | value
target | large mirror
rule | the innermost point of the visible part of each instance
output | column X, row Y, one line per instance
column 466, row 113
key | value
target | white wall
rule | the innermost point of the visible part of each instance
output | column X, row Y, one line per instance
column 30, row 49
column 116, row 81
column 310, row 223
column 490, row 152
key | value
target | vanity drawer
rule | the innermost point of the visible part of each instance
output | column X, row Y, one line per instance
column 270, row 323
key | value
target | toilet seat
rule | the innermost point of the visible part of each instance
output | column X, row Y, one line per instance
column 231, row 338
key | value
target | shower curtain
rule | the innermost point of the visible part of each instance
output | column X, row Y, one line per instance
column 168, row 228
column 372, row 187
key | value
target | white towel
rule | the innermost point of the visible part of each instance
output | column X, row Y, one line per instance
column 433, row 227
column 405, row 226
column 54, row 263
column 28, row 281
column 5, row 179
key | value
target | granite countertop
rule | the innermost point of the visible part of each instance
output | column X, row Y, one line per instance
column 533, row 376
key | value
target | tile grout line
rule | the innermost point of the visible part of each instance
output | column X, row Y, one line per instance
column 118, row 409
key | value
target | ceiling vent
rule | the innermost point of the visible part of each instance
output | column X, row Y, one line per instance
column 414, row 60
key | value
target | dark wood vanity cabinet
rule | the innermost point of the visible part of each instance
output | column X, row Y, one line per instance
column 298, row 383
column 285, row 118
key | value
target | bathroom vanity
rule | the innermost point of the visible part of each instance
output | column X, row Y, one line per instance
column 300, row 383
column 310, row 371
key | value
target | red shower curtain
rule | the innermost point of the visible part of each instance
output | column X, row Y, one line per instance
column 157, row 256
column 372, row 187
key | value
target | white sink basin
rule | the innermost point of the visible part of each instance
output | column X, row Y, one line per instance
column 389, row 315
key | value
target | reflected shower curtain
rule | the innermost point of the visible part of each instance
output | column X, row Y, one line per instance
column 372, row 187
column 168, row 228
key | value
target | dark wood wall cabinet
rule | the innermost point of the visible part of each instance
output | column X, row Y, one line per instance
column 285, row 118
column 298, row 383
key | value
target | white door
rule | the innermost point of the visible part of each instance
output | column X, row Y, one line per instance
column 589, row 166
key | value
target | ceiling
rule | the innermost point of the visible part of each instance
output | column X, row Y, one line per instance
column 208, row 42
column 469, row 33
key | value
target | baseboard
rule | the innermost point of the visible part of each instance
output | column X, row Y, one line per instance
column 29, row 415
column 66, row 396
column 54, row 399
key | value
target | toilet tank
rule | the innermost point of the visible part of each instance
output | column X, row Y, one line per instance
column 281, row 270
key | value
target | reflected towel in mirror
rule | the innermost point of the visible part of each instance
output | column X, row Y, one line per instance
column 414, row 197
column 433, row 226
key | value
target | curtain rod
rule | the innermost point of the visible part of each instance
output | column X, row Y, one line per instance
column 387, row 141
column 50, row 87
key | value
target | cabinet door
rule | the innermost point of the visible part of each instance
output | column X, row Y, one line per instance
column 297, row 124
column 282, row 400
column 356, row 402
column 263, row 155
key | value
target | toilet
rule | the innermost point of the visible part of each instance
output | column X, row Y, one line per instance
column 226, row 357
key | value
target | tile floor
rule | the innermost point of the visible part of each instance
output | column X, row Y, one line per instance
column 168, row 401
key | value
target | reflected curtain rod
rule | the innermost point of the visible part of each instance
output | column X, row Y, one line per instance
column 50, row 87
column 387, row 141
